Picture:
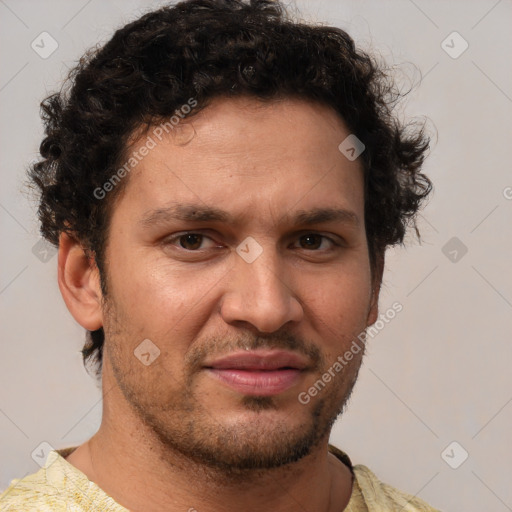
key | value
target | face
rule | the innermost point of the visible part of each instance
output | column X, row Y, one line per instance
column 239, row 255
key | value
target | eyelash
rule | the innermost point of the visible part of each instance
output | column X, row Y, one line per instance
column 175, row 238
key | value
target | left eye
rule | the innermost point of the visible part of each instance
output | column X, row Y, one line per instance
column 313, row 241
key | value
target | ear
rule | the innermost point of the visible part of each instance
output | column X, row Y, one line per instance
column 378, row 270
column 79, row 283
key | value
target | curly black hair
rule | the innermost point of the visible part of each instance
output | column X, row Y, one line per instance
column 203, row 49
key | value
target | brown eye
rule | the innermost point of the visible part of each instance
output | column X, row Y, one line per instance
column 191, row 241
column 311, row 241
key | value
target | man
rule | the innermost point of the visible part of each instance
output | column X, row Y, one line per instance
column 222, row 184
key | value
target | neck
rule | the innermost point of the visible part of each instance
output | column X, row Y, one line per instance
column 128, row 461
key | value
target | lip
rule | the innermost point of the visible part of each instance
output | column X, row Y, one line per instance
column 260, row 360
column 259, row 373
column 260, row 382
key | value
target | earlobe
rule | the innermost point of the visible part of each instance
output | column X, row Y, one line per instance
column 79, row 283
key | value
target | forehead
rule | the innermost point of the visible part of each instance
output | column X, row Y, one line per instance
column 248, row 154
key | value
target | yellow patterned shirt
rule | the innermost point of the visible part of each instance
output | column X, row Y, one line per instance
column 60, row 487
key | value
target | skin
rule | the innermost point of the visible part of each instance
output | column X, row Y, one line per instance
column 178, row 438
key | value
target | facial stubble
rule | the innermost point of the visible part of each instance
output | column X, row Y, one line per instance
column 187, row 429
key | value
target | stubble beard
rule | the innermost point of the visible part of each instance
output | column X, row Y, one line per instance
column 238, row 450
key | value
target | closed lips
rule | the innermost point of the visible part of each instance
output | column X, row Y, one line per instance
column 260, row 361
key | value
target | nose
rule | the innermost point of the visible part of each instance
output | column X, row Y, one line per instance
column 260, row 294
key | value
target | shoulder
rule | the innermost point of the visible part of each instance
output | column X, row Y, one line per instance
column 56, row 487
column 32, row 492
column 377, row 494
column 369, row 494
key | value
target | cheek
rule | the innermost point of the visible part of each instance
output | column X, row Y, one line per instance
column 162, row 302
column 338, row 305
column 145, row 286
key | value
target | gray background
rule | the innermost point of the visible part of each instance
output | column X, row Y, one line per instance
column 438, row 373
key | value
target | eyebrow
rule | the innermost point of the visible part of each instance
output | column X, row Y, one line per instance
column 202, row 213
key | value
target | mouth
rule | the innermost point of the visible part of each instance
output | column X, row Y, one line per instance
column 259, row 373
